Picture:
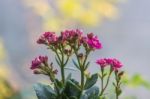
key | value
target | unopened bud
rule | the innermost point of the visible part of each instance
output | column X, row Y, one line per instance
column 37, row 71
column 121, row 73
column 87, row 74
column 80, row 55
column 55, row 71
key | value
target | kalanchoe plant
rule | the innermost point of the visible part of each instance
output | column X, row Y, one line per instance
column 74, row 43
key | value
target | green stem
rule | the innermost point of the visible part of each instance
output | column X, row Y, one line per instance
column 102, row 78
column 107, row 82
column 117, row 96
column 82, row 80
column 61, row 60
column 117, row 85
column 63, row 74
column 81, row 70
column 62, row 66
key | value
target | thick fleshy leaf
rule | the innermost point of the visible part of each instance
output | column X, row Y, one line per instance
column 91, row 81
column 44, row 91
column 72, row 90
column 68, row 77
column 59, row 87
column 91, row 93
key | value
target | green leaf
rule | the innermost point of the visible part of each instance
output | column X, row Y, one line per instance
column 59, row 87
column 71, row 89
column 75, row 82
column 73, row 97
column 68, row 77
column 58, row 83
column 91, row 93
column 44, row 91
column 137, row 80
column 91, row 81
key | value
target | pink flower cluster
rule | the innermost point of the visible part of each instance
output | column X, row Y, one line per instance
column 93, row 41
column 70, row 34
column 49, row 38
column 114, row 63
column 37, row 62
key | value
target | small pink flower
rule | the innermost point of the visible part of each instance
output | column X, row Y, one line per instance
column 36, row 63
column 41, row 40
column 93, row 41
column 70, row 34
column 109, row 61
column 43, row 59
column 102, row 62
column 51, row 37
column 47, row 38
column 114, row 63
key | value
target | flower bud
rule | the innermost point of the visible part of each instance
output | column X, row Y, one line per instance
column 121, row 73
column 37, row 71
column 55, row 71
column 81, row 56
column 87, row 74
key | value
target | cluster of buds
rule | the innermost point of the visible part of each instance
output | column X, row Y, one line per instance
column 47, row 38
column 71, row 35
column 40, row 66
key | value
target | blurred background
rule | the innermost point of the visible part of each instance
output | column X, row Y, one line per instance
column 121, row 25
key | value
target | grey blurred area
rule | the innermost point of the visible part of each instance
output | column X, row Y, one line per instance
column 127, row 38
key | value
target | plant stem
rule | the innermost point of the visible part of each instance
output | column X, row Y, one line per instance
column 102, row 78
column 117, row 85
column 107, row 82
column 61, row 60
column 62, row 74
column 81, row 71
column 82, row 80
column 117, row 97
column 62, row 66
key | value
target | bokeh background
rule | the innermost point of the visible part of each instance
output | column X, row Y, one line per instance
column 121, row 25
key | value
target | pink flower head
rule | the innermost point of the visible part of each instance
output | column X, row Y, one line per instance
column 70, row 34
column 38, row 61
column 93, row 41
column 114, row 63
column 50, row 36
column 83, row 40
column 109, row 61
column 102, row 62
column 43, row 59
column 42, row 40
column 47, row 38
